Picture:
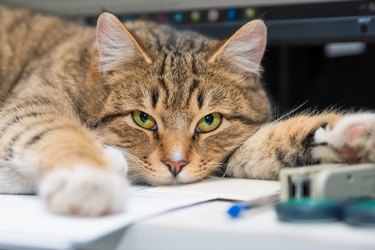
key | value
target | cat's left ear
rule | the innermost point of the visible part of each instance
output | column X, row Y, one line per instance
column 244, row 50
column 115, row 44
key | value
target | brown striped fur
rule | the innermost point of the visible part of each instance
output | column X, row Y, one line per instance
column 66, row 90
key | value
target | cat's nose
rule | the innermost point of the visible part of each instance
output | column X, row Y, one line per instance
column 175, row 167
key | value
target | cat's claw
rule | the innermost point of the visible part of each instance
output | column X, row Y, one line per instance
column 84, row 191
column 352, row 139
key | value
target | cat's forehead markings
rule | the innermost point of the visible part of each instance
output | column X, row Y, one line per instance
column 154, row 97
column 200, row 100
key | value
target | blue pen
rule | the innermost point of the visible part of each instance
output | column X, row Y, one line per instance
column 235, row 210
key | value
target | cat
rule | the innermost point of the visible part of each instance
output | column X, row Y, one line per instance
column 85, row 109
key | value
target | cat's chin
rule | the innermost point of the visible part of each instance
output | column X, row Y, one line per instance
column 180, row 179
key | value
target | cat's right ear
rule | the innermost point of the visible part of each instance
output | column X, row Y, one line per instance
column 244, row 49
column 115, row 44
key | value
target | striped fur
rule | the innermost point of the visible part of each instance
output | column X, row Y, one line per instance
column 67, row 90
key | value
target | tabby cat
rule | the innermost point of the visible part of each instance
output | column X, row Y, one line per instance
column 82, row 108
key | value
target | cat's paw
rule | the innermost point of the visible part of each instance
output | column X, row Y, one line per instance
column 84, row 191
column 352, row 140
column 116, row 159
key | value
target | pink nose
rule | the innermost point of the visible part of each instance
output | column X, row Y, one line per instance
column 175, row 167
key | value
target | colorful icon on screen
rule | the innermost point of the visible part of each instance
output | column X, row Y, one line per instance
column 195, row 16
column 231, row 14
column 250, row 13
column 161, row 17
column 178, row 17
column 213, row 15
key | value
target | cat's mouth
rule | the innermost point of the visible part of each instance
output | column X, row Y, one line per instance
column 162, row 175
column 157, row 170
column 186, row 173
column 181, row 178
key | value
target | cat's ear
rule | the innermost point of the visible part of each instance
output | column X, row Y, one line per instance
column 244, row 50
column 115, row 44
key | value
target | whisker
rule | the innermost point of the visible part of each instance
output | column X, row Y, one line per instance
column 225, row 174
column 290, row 112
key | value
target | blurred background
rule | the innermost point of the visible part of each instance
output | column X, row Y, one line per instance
column 321, row 54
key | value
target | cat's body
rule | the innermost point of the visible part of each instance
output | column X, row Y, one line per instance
column 177, row 105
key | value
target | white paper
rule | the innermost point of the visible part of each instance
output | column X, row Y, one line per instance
column 25, row 221
column 224, row 188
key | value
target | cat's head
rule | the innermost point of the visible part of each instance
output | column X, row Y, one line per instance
column 178, row 103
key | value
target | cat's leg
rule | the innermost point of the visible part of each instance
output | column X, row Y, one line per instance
column 16, row 178
column 71, row 171
column 305, row 140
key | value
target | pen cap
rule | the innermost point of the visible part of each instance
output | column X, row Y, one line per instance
column 235, row 210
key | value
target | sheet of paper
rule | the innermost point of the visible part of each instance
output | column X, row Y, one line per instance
column 224, row 188
column 26, row 223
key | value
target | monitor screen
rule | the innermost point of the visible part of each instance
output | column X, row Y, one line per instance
column 92, row 7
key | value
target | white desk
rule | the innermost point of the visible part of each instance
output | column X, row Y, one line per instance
column 206, row 227
column 25, row 223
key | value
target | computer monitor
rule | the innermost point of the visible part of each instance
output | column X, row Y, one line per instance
column 289, row 21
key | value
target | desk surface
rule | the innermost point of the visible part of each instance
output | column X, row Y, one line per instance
column 206, row 226
column 202, row 226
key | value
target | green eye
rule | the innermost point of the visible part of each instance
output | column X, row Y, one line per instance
column 208, row 123
column 144, row 120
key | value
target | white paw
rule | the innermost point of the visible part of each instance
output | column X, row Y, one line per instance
column 352, row 139
column 84, row 191
column 116, row 160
